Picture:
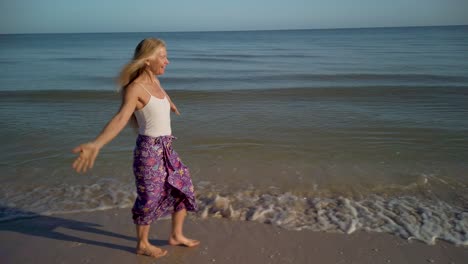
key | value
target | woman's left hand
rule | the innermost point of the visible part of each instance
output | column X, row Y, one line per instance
column 174, row 109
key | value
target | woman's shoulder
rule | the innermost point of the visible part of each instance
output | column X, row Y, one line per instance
column 134, row 89
column 140, row 85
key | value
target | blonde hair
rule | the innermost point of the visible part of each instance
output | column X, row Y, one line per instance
column 146, row 49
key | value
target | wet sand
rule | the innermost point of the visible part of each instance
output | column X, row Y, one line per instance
column 108, row 237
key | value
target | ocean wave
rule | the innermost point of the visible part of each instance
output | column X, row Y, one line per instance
column 84, row 59
column 383, row 92
column 374, row 77
column 8, row 61
column 330, row 77
column 409, row 217
column 65, row 198
column 240, row 57
column 406, row 216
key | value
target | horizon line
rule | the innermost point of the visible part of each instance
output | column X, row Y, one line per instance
column 240, row 30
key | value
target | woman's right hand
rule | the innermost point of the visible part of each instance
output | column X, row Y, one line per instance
column 88, row 153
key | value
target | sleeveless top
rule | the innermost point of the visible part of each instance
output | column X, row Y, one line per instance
column 154, row 119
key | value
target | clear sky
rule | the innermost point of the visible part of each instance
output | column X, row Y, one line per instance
column 68, row 16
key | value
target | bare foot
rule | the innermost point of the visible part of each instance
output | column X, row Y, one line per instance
column 183, row 241
column 151, row 251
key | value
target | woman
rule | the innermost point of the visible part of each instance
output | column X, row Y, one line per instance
column 163, row 182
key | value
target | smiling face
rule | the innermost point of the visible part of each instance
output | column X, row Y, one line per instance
column 158, row 62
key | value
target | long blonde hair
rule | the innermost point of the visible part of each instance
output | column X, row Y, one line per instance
column 132, row 70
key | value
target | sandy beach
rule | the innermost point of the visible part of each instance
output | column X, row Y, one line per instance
column 108, row 237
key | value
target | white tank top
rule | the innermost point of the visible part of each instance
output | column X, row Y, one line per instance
column 154, row 119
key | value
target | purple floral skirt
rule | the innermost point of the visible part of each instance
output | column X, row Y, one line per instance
column 163, row 182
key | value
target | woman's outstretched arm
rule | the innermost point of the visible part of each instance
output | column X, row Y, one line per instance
column 89, row 151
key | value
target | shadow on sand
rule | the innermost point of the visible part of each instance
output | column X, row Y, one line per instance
column 37, row 225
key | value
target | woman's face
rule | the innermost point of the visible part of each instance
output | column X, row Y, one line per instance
column 157, row 64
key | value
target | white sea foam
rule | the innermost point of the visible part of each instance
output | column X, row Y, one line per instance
column 406, row 216
column 65, row 198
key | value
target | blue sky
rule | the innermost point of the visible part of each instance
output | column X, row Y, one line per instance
column 69, row 16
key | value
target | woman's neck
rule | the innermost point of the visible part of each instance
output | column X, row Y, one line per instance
column 148, row 77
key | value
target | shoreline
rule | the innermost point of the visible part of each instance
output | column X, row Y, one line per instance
column 108, row 237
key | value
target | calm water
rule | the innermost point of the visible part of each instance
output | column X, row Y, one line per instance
column 310, row 129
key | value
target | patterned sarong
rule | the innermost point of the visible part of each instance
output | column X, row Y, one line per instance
column 163, row 182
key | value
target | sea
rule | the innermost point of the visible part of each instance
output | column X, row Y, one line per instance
column 337, row 130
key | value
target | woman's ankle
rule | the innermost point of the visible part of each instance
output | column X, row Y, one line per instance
column 143, row 244
column 176, row 235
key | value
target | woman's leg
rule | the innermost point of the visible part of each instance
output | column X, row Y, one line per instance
column 177, row 237
column 144, row 247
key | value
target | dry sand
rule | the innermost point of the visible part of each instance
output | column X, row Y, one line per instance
column 108, row 237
